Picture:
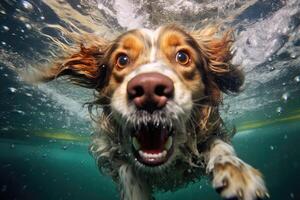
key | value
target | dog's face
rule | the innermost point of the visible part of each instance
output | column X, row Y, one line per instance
column 153, row 84
column 161, row 88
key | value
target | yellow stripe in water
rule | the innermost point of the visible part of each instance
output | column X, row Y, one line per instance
column 259, row 124
column 244, row 126
column 62, row 136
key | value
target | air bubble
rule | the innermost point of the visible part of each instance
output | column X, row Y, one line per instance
column 42, row 18
column 272, row 148
column 3, row 43
column 3, row 12
column 297, row 79
column 293, row 55
column 12, row 89
column 28, row 6
column 28, row 26
column 6, row 28
column 271, row 68
column 285, row 96
column 65, row 147
column 279, row 109
column 20, row 112
column 22, row 19
column 12, row 146
column 3, row 188
column 292, row 195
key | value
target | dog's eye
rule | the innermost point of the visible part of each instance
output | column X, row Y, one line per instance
column 122, row 61
column 182, row 58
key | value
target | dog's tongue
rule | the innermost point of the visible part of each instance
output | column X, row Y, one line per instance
column 152, row 139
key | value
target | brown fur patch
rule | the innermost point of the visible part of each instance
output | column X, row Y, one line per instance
column 170, row 42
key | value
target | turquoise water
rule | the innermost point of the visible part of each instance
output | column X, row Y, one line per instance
column 35, row 168
column 45, row 131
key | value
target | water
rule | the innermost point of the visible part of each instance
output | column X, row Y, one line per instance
column 44, row 130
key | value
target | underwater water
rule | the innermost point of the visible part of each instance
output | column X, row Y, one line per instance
column 44, row 130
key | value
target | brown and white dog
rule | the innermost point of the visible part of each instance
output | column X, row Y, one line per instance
column 159, row 92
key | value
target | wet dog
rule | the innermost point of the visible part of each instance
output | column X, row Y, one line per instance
column 160, row 127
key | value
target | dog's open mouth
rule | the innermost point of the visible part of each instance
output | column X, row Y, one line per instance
column 152, row 145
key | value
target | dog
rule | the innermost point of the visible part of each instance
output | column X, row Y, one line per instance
column 159, row 93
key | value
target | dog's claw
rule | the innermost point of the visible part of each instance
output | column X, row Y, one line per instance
column 259, row 194
column 232, row 198
column 223, row 186
column 220, row 189
column 240, row 194
column 225, row 182
column 262, row 195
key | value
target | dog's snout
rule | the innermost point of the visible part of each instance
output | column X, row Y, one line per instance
column 150, row 91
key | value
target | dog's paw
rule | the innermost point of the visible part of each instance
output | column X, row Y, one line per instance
column 235, row 179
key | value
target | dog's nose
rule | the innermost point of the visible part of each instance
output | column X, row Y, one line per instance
column 150, row 91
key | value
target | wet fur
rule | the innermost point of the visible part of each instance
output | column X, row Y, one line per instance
column 202, row 144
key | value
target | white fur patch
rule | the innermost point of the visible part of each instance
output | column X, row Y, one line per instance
column 131, row 187
column 235, row 177
column 182, row 96
column 217, row 153
column 153, row 36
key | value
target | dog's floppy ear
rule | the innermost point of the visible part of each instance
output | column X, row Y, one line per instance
column 216, row 51
column 85, row 68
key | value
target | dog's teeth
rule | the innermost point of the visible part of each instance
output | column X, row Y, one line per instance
column 136, row 143
column 152, row 156
column 141, row 153
column 169, row 143
column 156, row 125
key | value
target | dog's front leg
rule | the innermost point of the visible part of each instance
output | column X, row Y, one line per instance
column 232, row 177
column 131, row 186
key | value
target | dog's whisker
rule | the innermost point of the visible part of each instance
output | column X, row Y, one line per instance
column 200, row 98
column 194, row 123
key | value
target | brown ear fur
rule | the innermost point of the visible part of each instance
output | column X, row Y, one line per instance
column 221, row 74
column 85, row 68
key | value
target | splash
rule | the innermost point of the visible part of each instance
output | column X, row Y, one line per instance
column 267, row 41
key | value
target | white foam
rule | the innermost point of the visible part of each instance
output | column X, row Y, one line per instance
column 260, row 41
column 66, row 102
column 126, row 14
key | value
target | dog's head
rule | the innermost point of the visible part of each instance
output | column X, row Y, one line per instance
column 160, row 89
